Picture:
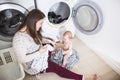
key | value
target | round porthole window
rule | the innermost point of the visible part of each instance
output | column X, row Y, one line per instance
column 10, row 21
column 11, row 17
column 88, row 17
column 59, row 13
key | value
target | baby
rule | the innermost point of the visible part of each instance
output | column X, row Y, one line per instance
column 66, row 46
column 63, row 53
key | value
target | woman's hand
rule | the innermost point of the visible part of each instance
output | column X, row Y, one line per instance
column 43, row 48
column 53, row 43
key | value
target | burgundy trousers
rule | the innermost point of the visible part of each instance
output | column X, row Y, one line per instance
column 63, row 72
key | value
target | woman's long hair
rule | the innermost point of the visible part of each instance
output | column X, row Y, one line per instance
column 30, row 22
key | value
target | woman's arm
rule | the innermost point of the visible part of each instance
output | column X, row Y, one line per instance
column 21, row 52
column 20, row 46
column 40, row 51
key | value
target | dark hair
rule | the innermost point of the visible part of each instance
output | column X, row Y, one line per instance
column 30, row 22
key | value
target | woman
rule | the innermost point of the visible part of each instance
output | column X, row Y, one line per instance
column 27, row 45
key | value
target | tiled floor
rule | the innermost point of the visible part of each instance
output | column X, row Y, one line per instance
column 89, row 64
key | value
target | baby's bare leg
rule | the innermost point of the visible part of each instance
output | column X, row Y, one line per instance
column 66, row 56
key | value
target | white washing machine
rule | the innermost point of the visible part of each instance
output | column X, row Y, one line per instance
column 62, row 15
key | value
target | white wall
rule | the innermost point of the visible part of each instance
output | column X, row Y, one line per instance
column 107, row 41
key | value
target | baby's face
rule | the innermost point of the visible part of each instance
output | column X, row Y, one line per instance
column 66, row 38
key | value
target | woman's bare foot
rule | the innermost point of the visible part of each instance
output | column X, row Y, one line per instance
column 95, row 77
column 91, row 77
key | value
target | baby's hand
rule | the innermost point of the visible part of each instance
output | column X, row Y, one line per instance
column 43, row 48
column 59, row 45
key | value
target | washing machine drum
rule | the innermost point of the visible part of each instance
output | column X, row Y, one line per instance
column 10, row 20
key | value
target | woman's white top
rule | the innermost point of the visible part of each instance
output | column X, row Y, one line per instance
column 26, row 51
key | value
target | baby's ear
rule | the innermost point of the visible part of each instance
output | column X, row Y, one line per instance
column 71, row 38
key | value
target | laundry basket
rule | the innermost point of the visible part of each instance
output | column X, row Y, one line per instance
column 10, row 69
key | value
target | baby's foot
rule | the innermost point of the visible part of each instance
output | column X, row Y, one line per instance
column 63, row 66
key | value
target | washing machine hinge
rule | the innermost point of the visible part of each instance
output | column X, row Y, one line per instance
column 73, row 12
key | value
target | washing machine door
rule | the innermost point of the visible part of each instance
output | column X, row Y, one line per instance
column 11, row 16
column 59, row 13
column 87, row 17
